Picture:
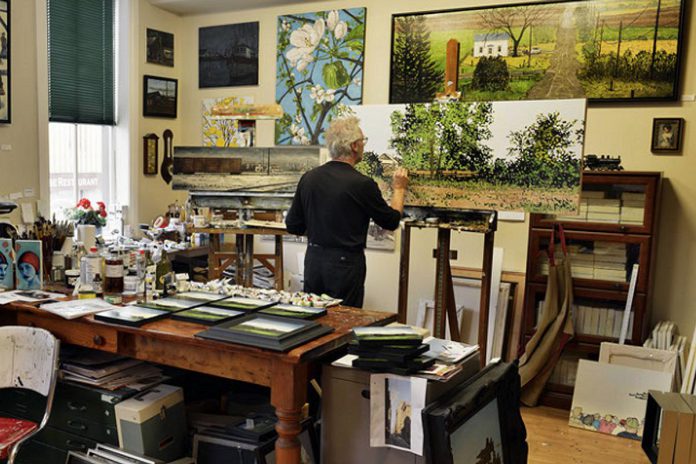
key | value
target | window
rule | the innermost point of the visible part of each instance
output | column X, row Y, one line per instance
column 82, row 48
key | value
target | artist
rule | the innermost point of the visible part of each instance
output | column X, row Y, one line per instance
column 333, row 205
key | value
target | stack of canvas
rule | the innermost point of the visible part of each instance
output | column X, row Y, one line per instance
column 396, row 350
column 595, row 320
column 632, row 208
column 610, row 261
column 565, row 371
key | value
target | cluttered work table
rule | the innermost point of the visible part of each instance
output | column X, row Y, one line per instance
column 171, row 342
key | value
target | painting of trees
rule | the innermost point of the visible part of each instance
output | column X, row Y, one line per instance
column 514, row 21
column 416, row 76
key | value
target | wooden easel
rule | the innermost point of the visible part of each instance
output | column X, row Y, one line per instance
column 482, row 222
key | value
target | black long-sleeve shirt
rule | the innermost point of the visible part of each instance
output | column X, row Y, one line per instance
column 333, row 205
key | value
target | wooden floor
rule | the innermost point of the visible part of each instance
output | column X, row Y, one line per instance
column 552, row 441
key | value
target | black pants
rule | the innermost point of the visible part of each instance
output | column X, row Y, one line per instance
column 338, row 273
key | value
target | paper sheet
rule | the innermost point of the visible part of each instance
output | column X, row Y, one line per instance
column 396, row 404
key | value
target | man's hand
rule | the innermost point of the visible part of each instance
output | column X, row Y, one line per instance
column 400, row 180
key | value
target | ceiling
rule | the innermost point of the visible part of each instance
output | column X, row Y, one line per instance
column 196, row 7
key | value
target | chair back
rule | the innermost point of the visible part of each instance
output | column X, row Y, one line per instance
column 28, row 359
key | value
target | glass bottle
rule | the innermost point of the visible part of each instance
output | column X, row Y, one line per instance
column 113, row 282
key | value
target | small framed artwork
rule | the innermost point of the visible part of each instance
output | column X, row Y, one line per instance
column 150, row 150
column 667, row 135
column 159, row 97
column 160, row 47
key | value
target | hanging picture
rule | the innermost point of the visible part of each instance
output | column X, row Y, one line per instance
column 667, row 135
column 319, row 67
column 226, row 132
column 159, row 97
column 228, row 56
column 513, row 156
column 160, row 47
column 5, row 109
column 541, row 51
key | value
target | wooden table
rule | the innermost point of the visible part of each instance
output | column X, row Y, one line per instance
column 220, row 258
column 172, row 342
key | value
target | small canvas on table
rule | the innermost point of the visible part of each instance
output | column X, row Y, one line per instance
column 6, row 264
column 29, row 264
column 611, row 398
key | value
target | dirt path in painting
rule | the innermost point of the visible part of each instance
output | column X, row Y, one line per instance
column 560, row 79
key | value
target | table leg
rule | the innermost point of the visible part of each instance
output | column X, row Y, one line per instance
column 288, row 395
column 249, row 260
column 239, row 264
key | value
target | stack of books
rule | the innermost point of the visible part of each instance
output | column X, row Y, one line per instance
column 596, row 320
column 108, row 371
column 565, row 371
column 632, row 208
column 397, row 350
column 610, row 261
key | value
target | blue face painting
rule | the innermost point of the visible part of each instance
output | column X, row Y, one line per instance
column 3, row 271
column 27, row 271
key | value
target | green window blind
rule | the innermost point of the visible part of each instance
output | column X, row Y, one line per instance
column 81, row 61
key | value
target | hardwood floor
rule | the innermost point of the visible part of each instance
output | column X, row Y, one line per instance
column 552, row 441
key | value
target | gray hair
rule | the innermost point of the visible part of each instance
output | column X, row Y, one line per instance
column 341, row 134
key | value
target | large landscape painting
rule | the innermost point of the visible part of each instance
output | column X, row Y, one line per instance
column 604, row 50
column 319, row 67
column 515, row 156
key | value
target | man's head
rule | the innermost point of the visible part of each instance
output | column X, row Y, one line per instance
column 345, row 140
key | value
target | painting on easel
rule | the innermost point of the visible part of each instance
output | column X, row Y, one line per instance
column 513, row 156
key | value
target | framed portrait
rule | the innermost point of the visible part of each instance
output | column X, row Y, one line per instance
column 160, row 47
column 159, row 97
column 667, row 135
column 504, row 52
column 5, row 108
column 150, row 150
column 228, row 55
column 478, row 422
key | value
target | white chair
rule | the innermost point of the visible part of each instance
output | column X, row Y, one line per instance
column 28, row 360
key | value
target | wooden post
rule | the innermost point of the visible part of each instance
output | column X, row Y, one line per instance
column 403, row 273
column 279, row 275
column 451, row 70
column 485, row 295
column 239, row 262
column 442, row 271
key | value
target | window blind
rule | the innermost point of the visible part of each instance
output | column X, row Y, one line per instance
column 81, row 61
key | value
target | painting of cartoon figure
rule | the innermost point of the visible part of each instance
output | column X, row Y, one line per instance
column 611, row 398
column 6, row 264
column 29, row 264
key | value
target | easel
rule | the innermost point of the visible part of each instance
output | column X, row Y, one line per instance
column 476, row 221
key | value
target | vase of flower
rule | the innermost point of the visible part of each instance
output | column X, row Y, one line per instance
column 83, row 214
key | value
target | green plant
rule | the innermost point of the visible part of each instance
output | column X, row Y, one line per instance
column 83, row 213
column 491, row 73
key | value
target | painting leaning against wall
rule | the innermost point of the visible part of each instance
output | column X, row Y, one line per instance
column 319, row 66
column 225, row 132
column 5, row 62
column 603, row 50
column 511, row 156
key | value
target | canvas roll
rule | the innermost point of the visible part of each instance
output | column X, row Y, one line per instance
column 87, row 234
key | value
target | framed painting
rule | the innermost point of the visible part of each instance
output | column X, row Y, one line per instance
column 524, row 51
column 228, row 56
column 226, row 132
column 160, row 47
column 159, row 97
column 667, row 135
column 478, row 422
column 319, row 69
column 5, row 94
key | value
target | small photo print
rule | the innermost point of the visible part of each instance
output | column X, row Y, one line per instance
column 667, row 134
column 398, row 410
column 266, row 328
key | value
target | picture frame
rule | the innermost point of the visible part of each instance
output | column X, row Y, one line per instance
column 160, row 47
column 228, row 55
column 5, row 63
column 667, row 134
column 150, row 154
column 133, row 316
column 160, row 97
column 458, row 424
column 270, row 332
column 521, row 37
column 207, row 315
column 242, row 304
column 294, row 311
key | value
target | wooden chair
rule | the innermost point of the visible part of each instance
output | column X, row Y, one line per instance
column 28, row 360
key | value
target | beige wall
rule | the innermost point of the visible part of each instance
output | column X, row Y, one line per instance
column 612, row 129
column 19, row 168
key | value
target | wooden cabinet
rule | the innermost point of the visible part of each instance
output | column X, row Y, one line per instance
column 615, row 229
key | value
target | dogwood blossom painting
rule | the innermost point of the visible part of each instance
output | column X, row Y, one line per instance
column 319, row 66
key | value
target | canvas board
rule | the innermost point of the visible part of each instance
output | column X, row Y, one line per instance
column 7, row 280
column 478, row 155
column 222, row 132
column 638, row 356
column 29, row 264
column 228, row 55
column 396, row 403
column 479, row 437
column 611, row 398
column 319, row 67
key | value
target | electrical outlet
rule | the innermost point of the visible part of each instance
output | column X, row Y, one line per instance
column 5, row 147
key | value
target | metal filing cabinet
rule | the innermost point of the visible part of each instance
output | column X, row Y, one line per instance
column 345, row 428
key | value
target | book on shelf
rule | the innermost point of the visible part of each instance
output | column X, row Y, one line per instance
column 594, row 320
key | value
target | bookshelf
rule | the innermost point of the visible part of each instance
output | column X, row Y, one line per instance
column 615, row 228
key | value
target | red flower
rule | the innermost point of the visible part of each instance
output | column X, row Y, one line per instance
column 84, row 203
column 102, row 213
column 102, row 206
